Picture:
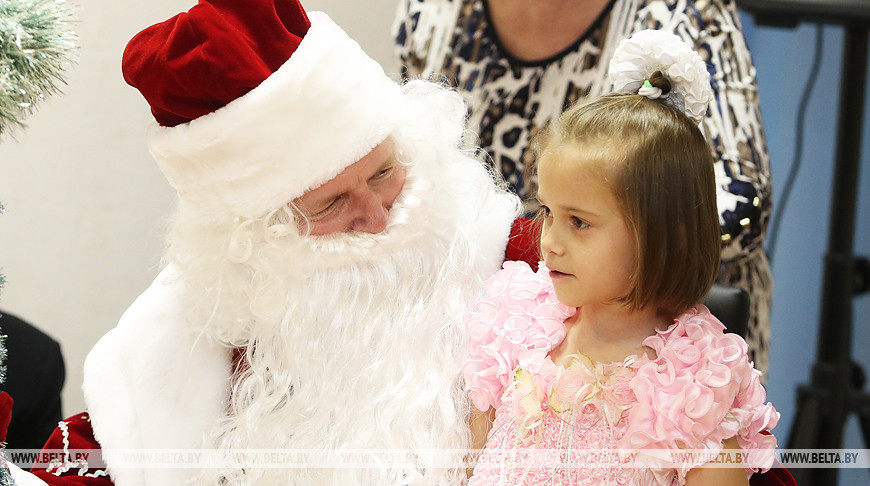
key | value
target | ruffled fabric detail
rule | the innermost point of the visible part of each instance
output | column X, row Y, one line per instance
column 648, row 51
column 699, row 391
column 516, row 324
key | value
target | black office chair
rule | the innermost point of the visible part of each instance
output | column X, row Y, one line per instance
column 731, row 306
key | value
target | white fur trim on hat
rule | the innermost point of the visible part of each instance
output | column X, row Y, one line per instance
column 325, row 108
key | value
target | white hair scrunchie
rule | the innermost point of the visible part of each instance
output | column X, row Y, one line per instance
column 648, row 51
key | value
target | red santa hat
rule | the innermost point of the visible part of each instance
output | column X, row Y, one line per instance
column 256, row 102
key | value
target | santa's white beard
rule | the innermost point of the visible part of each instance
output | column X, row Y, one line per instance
column 355, row 367
column 354, row 342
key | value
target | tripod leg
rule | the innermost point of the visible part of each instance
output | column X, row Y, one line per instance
column 805, row 430
column 862, row 408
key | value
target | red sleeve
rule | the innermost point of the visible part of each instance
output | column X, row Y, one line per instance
column 523, row 242
column 77, row 455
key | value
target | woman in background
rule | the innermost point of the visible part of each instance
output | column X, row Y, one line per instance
column 522, row 62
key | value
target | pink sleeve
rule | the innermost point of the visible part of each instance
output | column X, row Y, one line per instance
column 700, row 391
column 487, row 365
column 519, row 318
column 756, row 418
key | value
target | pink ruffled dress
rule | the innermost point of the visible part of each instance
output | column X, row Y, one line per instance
column 641, row 421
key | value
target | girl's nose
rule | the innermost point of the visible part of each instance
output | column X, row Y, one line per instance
column 550, row 242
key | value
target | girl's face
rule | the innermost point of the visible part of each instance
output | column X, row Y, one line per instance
column 585, row 240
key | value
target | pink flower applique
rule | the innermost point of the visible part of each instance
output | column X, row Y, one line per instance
column 585, row 381
column 524, row 398
column 580, row 385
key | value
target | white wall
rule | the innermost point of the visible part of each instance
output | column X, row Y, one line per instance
column 86, row 205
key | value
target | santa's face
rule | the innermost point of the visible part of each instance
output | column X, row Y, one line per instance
column 357, row 199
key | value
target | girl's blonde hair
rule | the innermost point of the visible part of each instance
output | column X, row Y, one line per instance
column 660, row 168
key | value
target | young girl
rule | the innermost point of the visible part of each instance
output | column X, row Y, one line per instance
column 602, row 367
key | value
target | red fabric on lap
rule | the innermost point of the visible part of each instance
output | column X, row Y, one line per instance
column 776, row 476
column 80, row 437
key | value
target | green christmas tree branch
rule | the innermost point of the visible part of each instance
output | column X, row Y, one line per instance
column 36, row 43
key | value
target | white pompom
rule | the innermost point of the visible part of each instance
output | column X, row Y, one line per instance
column 648, row 51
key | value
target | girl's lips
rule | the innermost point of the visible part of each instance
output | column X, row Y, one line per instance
column 557, row 274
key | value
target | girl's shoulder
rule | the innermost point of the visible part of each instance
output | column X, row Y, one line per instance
column 702, row 330
column 518, row 320
column 696, row 343
column 702, row 376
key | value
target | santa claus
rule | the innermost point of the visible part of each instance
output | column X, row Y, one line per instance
column 332, row 232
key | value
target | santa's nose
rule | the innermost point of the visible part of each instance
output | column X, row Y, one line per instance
column 374, row 211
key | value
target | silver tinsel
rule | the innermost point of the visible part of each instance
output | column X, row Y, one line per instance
column 5, row 477
column 2, row 283
column 36, row 42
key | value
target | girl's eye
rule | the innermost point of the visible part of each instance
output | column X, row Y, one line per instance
column 579, row 223
column 545, row 211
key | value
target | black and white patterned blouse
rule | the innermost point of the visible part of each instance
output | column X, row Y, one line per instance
column 511, row 100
